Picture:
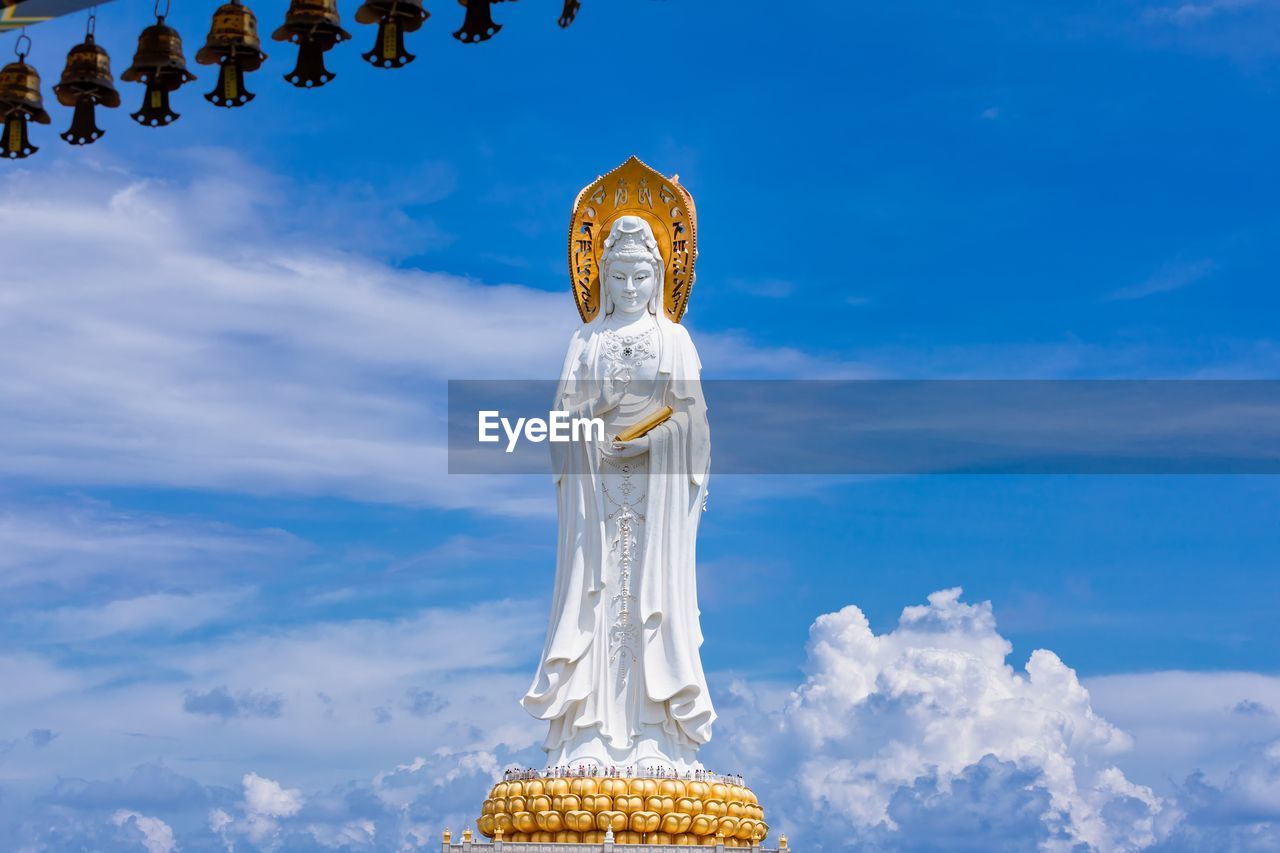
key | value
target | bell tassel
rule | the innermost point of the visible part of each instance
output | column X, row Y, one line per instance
column 84, row 127
column 230, row 90
column 15, row 143
column 570, row 12
column 478, row 25
column 310, row 71
column 155, row 110
column 388, row 51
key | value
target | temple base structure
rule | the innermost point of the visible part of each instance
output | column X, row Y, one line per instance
column 577, row 812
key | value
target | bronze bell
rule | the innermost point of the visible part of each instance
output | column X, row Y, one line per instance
column 233, row 44
column 394, row 18
column 314, row 26
column 20, row 102
column 86, row 82
column 478, row 25
column 570, row 12
column 160, row 64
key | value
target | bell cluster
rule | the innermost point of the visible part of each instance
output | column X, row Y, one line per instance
column 314, row 26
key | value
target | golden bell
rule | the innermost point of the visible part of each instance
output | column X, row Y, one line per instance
column 570, row 12
column 478, row 24
column 159, row 63
column 20, row 102
column 232, row 44
column 314, row 26
column 394, row 18
column 86, row 82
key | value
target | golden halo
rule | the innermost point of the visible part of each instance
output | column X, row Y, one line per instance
column 633, row 189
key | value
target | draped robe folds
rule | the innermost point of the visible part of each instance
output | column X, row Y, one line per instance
column 571, row 682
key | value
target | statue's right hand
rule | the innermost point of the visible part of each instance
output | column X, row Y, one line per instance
column 615, row 384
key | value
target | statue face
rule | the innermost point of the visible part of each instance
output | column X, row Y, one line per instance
column 631, row 285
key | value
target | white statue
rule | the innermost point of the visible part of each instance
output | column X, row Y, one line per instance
column 621, row 680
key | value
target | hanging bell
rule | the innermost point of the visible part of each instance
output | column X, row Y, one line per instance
column 394, row 18
column 20, row 102
column 233, row 44
column 160, row 64
column 86, row 83
column 314, row 26
column 478, row 25
column 570, row 12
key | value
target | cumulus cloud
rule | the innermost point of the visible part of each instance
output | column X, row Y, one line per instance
column 264, row 804
column 157, row 836
column 893, row 738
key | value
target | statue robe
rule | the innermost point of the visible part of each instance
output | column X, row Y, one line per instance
column 571, row 680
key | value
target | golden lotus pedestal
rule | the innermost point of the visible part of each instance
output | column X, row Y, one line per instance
column 604, row 811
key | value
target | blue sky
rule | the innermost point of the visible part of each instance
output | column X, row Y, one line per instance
column 231, row 560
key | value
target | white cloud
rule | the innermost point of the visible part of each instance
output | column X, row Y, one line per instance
column 894, row 735
column 265, row 803
column 157, row 836
column 267, row 797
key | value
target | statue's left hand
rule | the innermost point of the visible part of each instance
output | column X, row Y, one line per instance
column 627, row 449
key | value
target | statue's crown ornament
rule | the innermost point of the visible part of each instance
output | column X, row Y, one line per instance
column 638, row 192
column 630, row 239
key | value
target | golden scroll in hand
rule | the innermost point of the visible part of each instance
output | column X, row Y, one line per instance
column 642, row 428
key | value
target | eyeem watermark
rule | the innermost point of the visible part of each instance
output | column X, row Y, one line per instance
column 558, row 426
column 963, row 427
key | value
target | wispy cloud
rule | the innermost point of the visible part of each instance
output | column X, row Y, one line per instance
column 69, row 544
column 765, row 288
column 1187, row 14
column 161, row 612
column 1173, row 276
column 141, row 349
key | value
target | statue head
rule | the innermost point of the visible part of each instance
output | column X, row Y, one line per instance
column 631, row 268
